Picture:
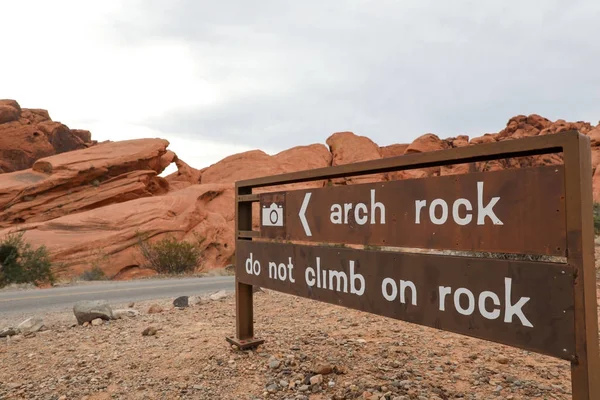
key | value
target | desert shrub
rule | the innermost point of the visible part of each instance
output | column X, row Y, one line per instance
column 96, row 272
column 170, row 255
column 93, row 274
column 20, row 262
column 597, row 218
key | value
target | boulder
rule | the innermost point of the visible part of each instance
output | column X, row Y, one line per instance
column 8, row 113
column 220, row 295
column 487, row 138
column 522, row 126
column 349, row 148
column 594, row 135
column 246, row 165
column 87, row 311
column 459, row 141
column 393, row 150
column 126, row 312
column 424, row 143
column 149, row 331
column 29, row 134
column 10, row 331
column 256, row 163
column 84, row 135
column 181, row 302
column 33, row 324
column 155, row 309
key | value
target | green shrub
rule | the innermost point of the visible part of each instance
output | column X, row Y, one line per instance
column 96, row 272
column 170, row 255
column 20, row 262
column 93, row 274
column 597, row 218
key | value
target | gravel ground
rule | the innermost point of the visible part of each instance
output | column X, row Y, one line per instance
column 312, row 351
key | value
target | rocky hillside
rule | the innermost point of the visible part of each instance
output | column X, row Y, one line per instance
column 87, row 202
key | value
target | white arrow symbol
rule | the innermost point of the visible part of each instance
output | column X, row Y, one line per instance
column 302, row 215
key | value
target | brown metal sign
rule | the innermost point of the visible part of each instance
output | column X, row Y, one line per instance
column 549, row 308
column 512, row 211
column 522, row 304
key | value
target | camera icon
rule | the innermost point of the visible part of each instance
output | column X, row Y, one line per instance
column 272, row 215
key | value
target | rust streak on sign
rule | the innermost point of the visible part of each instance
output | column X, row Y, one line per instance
column 511, row 211
column 518, row 303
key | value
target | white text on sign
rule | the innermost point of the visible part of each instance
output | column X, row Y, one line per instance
column 361, row 212
column 440, row 207
column 487, row 303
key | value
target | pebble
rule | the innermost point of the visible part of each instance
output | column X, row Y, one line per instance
column 272, row 388
column 149, row 331
column 502, row 360
column 155, row 309
column 323, row 369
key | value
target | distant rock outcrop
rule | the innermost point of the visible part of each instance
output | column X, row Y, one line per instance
column 29, row 134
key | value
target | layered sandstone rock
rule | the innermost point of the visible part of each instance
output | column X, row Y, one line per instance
column 80, row 180
column 29, row 134
column 108, row 236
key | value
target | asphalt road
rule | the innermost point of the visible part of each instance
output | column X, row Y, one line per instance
column 22, row 301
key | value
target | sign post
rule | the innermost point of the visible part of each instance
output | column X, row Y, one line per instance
column 540, row 297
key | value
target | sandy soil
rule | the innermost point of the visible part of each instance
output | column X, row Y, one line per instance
column 312, row 351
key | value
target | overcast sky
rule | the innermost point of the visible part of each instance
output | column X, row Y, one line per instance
column 219, row 77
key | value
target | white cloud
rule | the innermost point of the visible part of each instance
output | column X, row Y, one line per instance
column 218, row 77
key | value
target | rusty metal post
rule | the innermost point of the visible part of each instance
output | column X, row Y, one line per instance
column 243, row 293
column 585, row 369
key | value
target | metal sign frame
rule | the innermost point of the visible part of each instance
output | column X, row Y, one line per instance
column 576, row 152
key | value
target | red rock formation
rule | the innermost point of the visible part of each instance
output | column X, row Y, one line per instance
column 256, row 163
column 80, row 180
column 9, row 111
column 184, row 176
column 108, row 236
column 29, row 134
column 100, row 197
column 348, row 148
column 393, row 150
